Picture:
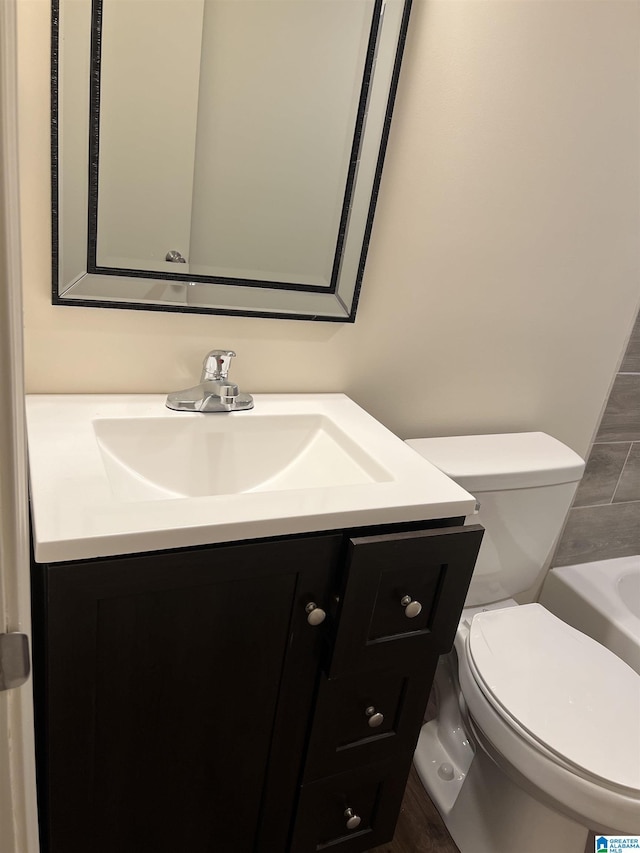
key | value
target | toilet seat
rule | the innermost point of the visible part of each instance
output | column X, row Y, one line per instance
column 567, row 695
column 602, row 806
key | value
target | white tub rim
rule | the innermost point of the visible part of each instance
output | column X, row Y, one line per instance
column 587, row 596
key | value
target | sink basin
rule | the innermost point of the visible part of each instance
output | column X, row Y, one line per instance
column 196, row 455
column 120, row 474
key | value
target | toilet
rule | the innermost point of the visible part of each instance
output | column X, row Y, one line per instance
column 535, row 738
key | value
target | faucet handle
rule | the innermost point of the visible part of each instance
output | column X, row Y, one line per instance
column 216, row 364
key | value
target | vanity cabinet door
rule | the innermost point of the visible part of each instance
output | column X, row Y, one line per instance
column 164, row 684
column 402, row 596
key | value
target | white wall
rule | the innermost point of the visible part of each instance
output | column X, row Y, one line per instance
column 502, row 276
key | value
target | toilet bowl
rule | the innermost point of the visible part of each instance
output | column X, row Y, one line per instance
column 536, row 738
column 543, row 742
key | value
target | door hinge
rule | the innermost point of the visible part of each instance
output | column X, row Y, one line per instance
column 14, row 660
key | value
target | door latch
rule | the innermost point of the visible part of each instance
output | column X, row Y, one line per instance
column 14, row 660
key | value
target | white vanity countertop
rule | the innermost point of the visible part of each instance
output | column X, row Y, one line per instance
column 296, row 463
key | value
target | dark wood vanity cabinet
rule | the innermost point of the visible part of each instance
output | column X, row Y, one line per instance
column 185, row 702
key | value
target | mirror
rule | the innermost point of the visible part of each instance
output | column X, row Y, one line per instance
column 219, row 156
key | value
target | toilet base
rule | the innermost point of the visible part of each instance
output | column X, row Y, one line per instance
column 486, row 812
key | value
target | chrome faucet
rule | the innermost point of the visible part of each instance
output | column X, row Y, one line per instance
column 215, row 393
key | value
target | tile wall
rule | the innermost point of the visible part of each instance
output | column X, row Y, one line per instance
column 604, row 521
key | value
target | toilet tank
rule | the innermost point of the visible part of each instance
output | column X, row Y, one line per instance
column 524, row 484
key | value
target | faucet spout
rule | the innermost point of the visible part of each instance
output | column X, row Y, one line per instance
column 215, row 393
column 218, row 393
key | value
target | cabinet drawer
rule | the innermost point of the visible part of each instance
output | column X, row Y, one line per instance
column 364, row 718
column 373, row 794
column 403, row 596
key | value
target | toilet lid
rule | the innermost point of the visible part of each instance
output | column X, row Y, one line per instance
column 564, row 690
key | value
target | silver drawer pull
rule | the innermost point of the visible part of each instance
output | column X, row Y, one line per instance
column 375, row 717
column 353, row 820
column 411, row 607
column 315, row 614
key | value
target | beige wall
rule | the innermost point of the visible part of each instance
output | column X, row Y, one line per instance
column 502, row 277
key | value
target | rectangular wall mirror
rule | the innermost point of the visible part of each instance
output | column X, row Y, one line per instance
column 219, row 156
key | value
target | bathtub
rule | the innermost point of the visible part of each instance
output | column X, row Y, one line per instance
column 601, row 599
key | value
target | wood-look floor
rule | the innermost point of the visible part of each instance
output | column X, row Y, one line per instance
column 420, row 828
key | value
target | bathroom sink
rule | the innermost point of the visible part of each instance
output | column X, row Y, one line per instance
column 118, row 474
column 196, row 455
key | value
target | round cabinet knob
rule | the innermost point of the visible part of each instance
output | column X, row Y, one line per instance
column 411, row 607
column 375, row 717
column 353, row 820
column 315, row 614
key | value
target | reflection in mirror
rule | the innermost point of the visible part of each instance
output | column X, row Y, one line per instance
column 227, row 181
column 235, row 151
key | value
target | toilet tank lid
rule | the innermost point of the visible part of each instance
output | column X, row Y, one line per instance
column 485, row 463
